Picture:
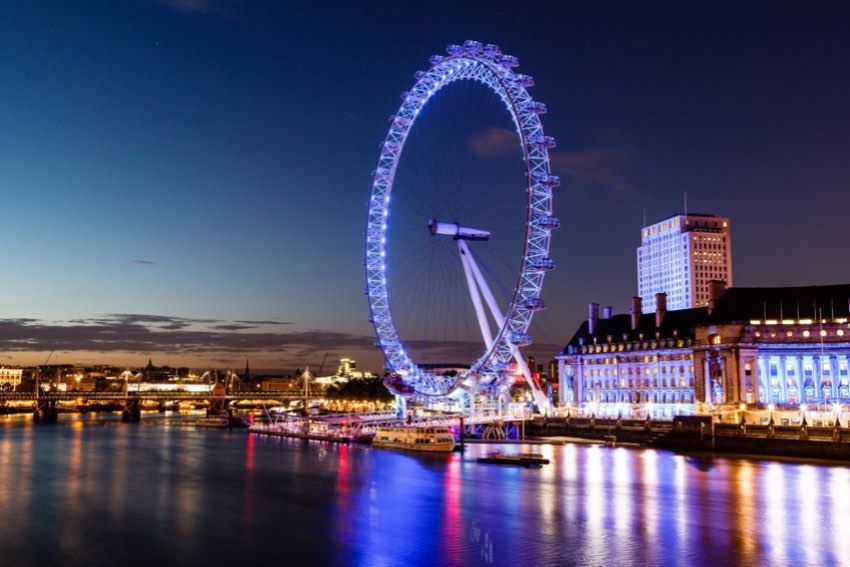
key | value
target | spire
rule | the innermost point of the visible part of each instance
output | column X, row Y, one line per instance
column 247, row 371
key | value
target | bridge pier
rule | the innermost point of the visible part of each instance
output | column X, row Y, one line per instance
column 132, row 412
column 45, row 412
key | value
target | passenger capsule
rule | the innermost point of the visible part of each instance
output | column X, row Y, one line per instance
column 536, row 107
column 534, row 304
column 547, row 179
column 548, row 222
column 508, row 61
column 543, row 142
column 520, row 339
column 543, row 264
column 525, row 81
column 472, row 47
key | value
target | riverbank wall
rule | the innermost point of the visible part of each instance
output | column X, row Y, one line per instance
column 701, row 433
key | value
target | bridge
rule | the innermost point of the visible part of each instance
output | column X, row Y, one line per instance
column 149, row 395
column 45, row 404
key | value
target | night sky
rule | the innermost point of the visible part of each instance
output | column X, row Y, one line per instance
column 186, row 179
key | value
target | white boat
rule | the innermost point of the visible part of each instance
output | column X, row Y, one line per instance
column 415, row 438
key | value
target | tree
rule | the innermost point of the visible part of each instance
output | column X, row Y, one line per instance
column 361, row 389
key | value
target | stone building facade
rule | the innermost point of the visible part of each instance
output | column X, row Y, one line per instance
column 770, row 346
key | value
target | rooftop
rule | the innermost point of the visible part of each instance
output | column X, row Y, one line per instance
column 681, row 323
column 759, row 303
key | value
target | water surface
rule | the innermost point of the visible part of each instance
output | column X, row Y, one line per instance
column 95, row 493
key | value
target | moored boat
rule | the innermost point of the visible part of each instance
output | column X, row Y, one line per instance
column 415, row 438
column 213, row 421
column 521, row 459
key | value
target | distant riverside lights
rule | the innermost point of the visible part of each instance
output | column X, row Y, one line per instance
column 486, row 64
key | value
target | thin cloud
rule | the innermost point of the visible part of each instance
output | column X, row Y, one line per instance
column 494, row 142
column 143, row 261
column 202, row 7
column 250, row 322
column 233, row 327
column 127, row 335
column 597, row 167
column 601, row 167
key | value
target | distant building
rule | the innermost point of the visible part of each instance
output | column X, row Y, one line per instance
column 347, row 370
column 680, row 255
column 784, row 346
column 278, row 384
column 11, row 377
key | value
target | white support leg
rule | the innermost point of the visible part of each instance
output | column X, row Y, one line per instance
column 467, row 262
column 540, row 398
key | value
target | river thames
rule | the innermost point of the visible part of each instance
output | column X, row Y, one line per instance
column 98, row 492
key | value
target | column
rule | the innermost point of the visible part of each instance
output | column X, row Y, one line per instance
column 579, row 380
column 817, row 372
column 709, row 391
column 755, row 377
column 783, row 380
column 763, row 378
column 798, row 364
column 833, row 375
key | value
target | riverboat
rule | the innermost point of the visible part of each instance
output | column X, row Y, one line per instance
column 415, row 438
column 220, row 421
column 521, row 459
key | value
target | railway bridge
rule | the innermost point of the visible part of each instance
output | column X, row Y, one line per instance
column 45, row 404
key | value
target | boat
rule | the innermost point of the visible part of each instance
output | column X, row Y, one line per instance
column 213, row 421
column 520, row 459
column 415, row 438
column 220, row 419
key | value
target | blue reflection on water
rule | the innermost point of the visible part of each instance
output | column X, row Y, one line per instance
column 95, row 493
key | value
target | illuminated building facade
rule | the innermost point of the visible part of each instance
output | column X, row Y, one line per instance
column 770, row 346
column 781, row 346
column 11, row 377
column 631, row 358
column 680, row 255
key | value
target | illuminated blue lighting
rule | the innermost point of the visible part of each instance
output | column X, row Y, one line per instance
column 488, row 66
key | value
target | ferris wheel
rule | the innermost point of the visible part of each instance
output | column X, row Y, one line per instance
column 502, row 328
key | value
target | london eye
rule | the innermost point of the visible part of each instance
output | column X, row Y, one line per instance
column 458, row 232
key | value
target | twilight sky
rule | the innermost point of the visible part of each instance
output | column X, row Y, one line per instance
column 186, row 179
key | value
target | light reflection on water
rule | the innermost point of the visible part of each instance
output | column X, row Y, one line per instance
column 95, row 493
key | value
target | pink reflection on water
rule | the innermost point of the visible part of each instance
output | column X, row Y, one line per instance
column 452, row 518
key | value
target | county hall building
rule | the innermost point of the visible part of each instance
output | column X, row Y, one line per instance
column 784, row 346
